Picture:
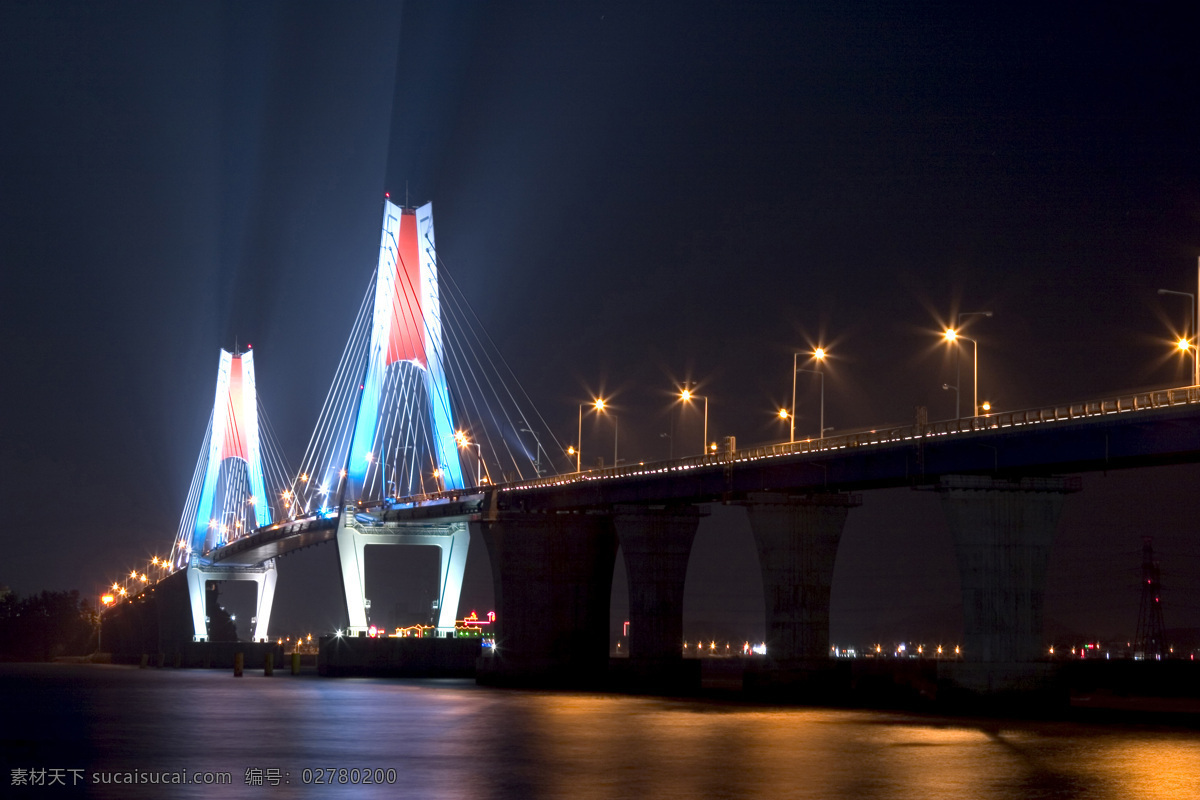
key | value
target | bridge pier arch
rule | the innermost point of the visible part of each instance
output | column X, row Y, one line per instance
column 797, row 538
column 656, row 543
column 451, row 538
column 1003, row 531
column 264, row 575
column 552, row 577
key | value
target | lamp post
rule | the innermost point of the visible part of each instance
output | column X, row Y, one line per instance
column 1186, row 343
column 616, row 433
column 599, row 405
column 947, row 387
column 952, row 335
column 579, row 440
column 687, row 396
column 461, row 438
column 819, row 355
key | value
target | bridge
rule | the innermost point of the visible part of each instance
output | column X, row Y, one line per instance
column 411, row 412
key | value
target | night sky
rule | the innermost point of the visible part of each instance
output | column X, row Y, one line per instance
column 631, row 196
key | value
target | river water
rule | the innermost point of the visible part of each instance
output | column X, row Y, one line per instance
column 82, row 725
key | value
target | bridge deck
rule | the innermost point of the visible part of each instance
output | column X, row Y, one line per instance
column 1142, row 429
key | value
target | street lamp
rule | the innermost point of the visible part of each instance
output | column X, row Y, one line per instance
column 687, row 396
column 461, row 438
column 819, row 356
column 952, row 336
column 947, row 387
column 599, row 405
column 1185, row 344
column 616, row 432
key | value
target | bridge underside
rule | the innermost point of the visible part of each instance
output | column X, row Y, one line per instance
column 264, row 577
column 552, row 544
column 451, row 538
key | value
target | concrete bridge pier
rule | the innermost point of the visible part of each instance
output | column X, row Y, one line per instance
column 656, row 542
column 797, row 538
column 552, row 575
column 264, row 575
column 1003, row 531
column 451, row 538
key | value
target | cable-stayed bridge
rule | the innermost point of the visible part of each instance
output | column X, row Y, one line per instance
column 423, row 440
column 418, row 407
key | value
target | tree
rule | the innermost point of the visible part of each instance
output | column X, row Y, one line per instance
column 45, row 625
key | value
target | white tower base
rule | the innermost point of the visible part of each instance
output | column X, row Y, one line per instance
column 264, row 575
column 452, row 539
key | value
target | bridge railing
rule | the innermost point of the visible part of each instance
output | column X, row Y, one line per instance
column 1121, row 404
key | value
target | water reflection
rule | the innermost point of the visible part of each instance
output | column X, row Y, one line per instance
column 455, row 740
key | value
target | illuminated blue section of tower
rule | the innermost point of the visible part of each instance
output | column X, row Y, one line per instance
column 363, row 441
column 435, row 375
column 254, row 467
column 205, row 524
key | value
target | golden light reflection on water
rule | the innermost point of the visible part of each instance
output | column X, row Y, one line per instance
column 598, row 747
column 456, row 740
column 1152, row 769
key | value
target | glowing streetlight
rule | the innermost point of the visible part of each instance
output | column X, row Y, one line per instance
column 1185, row 343
column 599, row 405
column 952, row 336
column 819, row 356
column 687, row 396
column 461, row 438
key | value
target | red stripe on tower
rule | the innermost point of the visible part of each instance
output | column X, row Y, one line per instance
column 406, row 339
column 235, row 442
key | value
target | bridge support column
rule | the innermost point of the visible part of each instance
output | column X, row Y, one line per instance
column 452, row 540
column 656, row 543
column 553, row 583
column 797, row 538
column 265, row 600
column 264, row 575
column 1002, row 531
column 351, row 548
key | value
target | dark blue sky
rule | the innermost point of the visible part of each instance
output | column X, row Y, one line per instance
column 630, row 197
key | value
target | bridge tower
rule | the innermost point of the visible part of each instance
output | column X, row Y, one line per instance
column 406, row 336
column 232, row 500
